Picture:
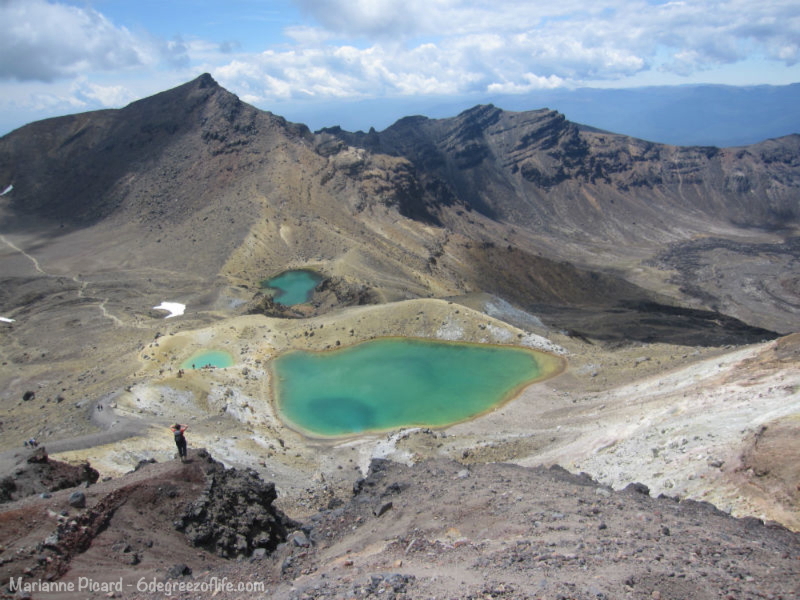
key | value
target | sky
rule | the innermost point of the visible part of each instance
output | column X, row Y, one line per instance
column 304, row 57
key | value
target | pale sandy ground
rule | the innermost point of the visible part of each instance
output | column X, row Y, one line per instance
column 674, row 418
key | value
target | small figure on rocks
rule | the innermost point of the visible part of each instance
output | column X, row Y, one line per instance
column 180, row 440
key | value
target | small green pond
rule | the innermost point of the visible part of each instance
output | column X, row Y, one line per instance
column 400, row 382
column 209, row 358
column 293, row 287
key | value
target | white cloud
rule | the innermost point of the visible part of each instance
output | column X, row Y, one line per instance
column 40, row 41
column 372, row 48
column 307, row 36
column 103, row 95
column 461, row 46
column 372, row 18
column 529, row 82
column 58, row 100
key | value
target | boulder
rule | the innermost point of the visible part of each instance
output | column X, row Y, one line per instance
column 77, row 500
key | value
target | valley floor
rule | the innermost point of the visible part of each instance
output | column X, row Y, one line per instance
column 717, row 424
column 711, row 424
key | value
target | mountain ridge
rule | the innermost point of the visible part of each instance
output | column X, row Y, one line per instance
column 551, row 151
column 139, row 132
column 548, row 151
column 195, row 164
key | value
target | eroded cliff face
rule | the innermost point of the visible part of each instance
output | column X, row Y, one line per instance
column 549, row 172
column 693, row 218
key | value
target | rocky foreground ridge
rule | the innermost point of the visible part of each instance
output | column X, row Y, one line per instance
column 438, row 529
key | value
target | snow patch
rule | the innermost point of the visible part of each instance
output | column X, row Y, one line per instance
column 175, row 309
column 6, row 320
column 5, row 191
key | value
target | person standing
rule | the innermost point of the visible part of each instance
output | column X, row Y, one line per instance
column 180, row 440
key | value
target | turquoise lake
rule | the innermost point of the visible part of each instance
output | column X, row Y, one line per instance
column 293, row 287
column 399, row 382
column 215, row 358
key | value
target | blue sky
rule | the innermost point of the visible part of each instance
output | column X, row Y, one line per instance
column 305, row 56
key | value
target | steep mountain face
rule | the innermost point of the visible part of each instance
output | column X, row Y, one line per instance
column 605, row 200
column 82, row 168
column 157, row 171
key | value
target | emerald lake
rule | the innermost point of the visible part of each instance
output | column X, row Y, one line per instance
column 208, row 358
column 392, row 383
column 293, row 287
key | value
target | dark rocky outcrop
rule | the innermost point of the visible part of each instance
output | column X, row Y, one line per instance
column 167, row 513
column 36, row 473
column 234, row 516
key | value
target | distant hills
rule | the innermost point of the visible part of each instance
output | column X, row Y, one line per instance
column 690, row 115
column 687, row 115
column 684, row 115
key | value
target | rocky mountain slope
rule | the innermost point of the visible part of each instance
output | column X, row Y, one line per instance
column 514, row 533
column 600, row 199
column 149, row 520
column 536, row 168
column 665, row 278
column 196, row 172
